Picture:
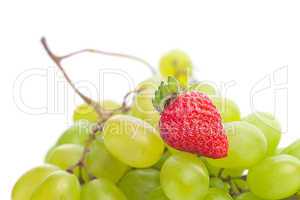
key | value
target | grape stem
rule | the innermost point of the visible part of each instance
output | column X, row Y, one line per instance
column 58, row 60
column 81, row 163
column 235, row 190
column 104, row 114
column 131, row 57
column 93, row 135
column 99, row 110
column 220, row 173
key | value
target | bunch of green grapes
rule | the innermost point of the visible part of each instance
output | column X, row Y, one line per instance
column 121, row 155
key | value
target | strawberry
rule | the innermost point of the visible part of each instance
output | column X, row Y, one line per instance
column 189, row 121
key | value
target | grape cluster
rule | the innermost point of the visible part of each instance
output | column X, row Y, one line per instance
column 120, row 154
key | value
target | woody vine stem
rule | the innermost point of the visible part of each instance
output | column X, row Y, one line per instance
column 103, row 114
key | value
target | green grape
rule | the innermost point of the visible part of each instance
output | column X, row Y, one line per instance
column 101, row 189
column 184, row 177
column 241, row 184
column 157, row 194
column 162, row 160
column 248, row 196
column 279, row 151
column 247, row 146
column 228, row 109
column 215, row 182
column 139, row 183
column 217, row 194
column 49, row 151
column 132, row 141
column 76, row 134
column 269, row 126
column 28, row 183
column 174, row 151
column 142, row 107
column 150, row 83
column 204, row 88
column 293, row 149
column 232, row 173
column 225, row 173
column 65, row 155
column 102, row 164
column 57, row 186
column 275, row 177
column 178, row 64
column 88, row 113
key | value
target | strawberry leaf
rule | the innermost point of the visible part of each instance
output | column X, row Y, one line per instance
column 165, row 92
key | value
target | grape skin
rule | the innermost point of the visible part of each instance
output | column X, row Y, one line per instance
column 162, row 160
column 269, row 126
column 184, row 177
column 217, row 194
column 101, row 189
column 215, row 182
column 157, row 194
column 28, row 182
column 275, row 177
column 226, row 173
column 88, row 113
column 247, row 146
column 139, row 183
column 58, row 185
column 102, row 164
column 204, row 88
column 178, row 64
column 65, row 156
column 76, row 134
column 228, row 109
column 132, row 141
column 143, row 108
column 248, row 196
column 293, row 149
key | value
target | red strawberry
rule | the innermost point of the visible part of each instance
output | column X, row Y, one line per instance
column 190, row 122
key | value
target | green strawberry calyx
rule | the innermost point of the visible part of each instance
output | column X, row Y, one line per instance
column 167, row 91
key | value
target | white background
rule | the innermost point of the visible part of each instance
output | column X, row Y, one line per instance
column 239, row 41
